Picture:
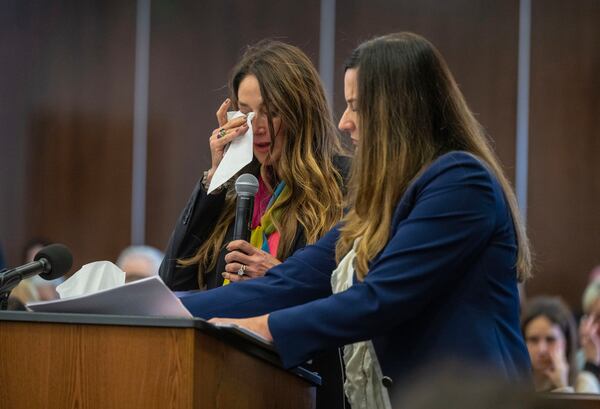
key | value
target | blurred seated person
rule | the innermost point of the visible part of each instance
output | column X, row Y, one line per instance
column 550, row 333
column 139, row 262
column 589, row 328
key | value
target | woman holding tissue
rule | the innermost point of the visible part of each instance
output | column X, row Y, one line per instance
column 300, row 168
column 297, row 160
column 424, row 266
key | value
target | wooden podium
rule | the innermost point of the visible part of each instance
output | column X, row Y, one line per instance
column 101, row 361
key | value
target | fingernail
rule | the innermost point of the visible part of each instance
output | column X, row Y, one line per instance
column 227, row 100
column 224, row 275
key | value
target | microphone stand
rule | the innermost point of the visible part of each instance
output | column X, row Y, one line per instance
column 6, row 287
column 4, row 301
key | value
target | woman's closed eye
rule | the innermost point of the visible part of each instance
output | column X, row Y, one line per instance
column 352, row 105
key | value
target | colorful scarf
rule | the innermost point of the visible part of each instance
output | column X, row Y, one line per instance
column 259, row 237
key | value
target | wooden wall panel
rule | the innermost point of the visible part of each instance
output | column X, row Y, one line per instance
column 73, row 123
column 194, row 46
column 15, row 58
column 564, row 165
column 479, row 40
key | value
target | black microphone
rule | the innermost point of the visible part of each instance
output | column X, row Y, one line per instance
column 246, row 187
column 51, row 262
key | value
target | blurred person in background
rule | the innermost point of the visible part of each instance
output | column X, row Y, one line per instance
column 550, row 332
column 588, row 356
column 139, row 262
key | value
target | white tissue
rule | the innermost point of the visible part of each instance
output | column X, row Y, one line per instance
column 238, row 155
column 92, row 277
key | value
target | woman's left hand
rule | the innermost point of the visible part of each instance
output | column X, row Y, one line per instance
column 256, row 261
column 258, row 325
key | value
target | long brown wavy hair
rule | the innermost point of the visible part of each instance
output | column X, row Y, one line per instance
column 291, row 89
column 410, row 111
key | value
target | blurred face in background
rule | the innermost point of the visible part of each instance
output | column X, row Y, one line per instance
column 349, row 121
column 543, row 337
column 137, row 267
column 267, row 149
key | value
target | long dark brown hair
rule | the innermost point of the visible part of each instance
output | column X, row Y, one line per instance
column 410, row 111
column 291, row 89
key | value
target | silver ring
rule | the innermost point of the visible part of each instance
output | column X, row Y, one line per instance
column 242, row 270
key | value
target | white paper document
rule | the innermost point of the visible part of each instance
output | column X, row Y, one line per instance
column 239, row 154
column 146, row 297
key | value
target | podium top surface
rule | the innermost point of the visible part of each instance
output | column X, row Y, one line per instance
column 238, row 338
column 100, row 319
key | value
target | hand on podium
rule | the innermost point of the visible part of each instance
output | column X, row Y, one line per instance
column 257, row 325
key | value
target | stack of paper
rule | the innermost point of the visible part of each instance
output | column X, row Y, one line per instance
column 147, row 297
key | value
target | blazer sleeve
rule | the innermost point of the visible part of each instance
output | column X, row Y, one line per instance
column 451, row 220
column 303, row 277
column 195, row 223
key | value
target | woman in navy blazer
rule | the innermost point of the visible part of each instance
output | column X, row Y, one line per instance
column 433, row 238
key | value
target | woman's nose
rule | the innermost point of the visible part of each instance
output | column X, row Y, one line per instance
column 259, row 120
column 342, row 125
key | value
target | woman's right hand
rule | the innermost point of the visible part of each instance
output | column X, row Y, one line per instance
column 224, row 134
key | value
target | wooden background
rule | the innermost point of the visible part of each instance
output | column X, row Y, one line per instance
column 66, row 109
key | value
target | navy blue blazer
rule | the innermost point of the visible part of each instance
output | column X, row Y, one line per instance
column 443, row 288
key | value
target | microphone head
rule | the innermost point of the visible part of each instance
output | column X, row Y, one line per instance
column 246, row 185
column 60, row 259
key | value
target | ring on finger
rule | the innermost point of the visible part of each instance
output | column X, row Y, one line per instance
column 222, row 133
column 242, row 270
